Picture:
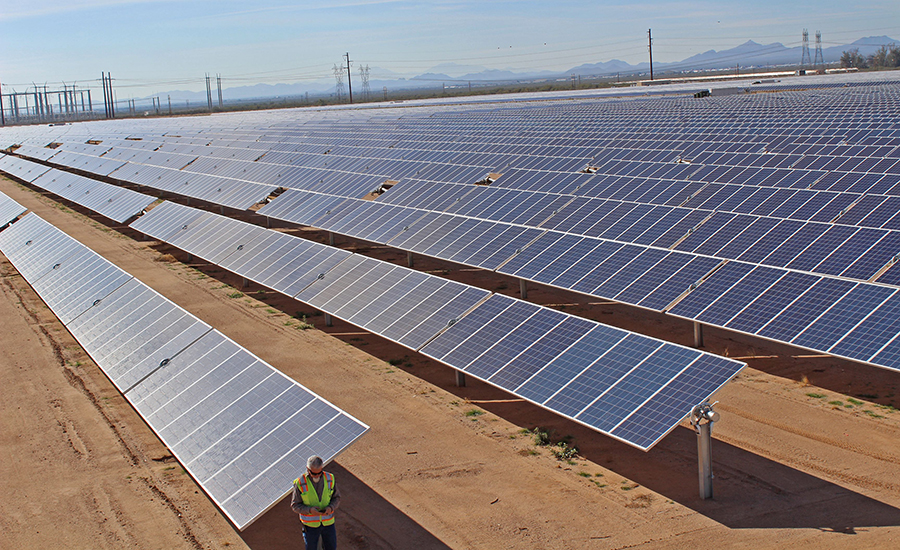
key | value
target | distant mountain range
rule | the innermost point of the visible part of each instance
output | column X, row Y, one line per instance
column 748, row 55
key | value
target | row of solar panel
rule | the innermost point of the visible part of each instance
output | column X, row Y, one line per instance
column 647, row 277
column 631, row 387
column 815, row 247
column 241, row 428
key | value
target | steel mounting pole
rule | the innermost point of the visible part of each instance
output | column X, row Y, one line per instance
column 702, row 418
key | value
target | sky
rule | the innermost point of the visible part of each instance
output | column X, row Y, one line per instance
column 151, row 46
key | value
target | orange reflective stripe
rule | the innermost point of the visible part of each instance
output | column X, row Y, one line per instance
column 330, row 480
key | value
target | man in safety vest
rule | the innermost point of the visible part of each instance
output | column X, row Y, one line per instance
column 316, row 498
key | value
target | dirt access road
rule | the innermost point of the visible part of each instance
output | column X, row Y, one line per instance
column 805, row 454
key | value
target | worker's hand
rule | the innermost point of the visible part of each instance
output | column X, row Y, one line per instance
column 328, row 510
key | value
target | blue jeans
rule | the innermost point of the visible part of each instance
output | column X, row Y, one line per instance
column 327, row 532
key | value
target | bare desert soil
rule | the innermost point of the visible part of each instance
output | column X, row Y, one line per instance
column 805, row 454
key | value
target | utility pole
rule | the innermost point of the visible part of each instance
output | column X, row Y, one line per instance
column 2, row 116
column 208, row 94
column 105, row 95
column 349, row 79
column 650, row 47
column 170, row 105
column 112, row 96
column 219, row 86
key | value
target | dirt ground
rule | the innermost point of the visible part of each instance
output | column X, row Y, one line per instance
column 805, row 454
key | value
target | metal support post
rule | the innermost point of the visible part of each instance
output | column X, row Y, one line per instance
column 698, row 335
column 702, row 418
column 244, row 282
column 460, row 379
column 331, row 238
column 409, row 259
column 329, row 322
column 523, row 289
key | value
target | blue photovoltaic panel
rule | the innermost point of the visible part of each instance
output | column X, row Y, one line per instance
column 636, row 387
column 573, row 265
column 729, row 303
column 436, row 312
column 542, row 349
column 599, row 269
column 878, row 324
column 710, row 289
column 597, row 375
column 841, row 318
column 771, row 302
column 679, row 283
column 808, row 308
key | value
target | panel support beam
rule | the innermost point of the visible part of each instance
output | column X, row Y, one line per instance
column 704, row 460
column 698, row 335
column 460, row 379
column 523, row 289
column 244, row 282
column 409, row 259
column 331, row 238
column 702, row 418
column 329, row 322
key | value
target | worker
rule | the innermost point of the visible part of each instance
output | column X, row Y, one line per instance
column 315, row 499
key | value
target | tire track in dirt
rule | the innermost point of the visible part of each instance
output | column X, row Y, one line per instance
column 885, row 457
column 77, row 444
column 74, row 379
column 805, row 465
column 186, row 531
column 117, row 533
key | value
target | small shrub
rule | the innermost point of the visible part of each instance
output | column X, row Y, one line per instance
column 816, row 395
column 584, row 474
column 854, row 401
column 236, row 295
column 563, row 451
column 541, row 436
column 474, row 413
column 836, row 403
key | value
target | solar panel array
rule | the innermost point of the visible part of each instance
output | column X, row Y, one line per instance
column 771, row 214
column 631, row 387
column 241, row 428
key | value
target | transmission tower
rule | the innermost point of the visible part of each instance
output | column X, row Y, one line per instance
column 338, row 71
column 820, row 59
column 804, row 57
column 364, row 76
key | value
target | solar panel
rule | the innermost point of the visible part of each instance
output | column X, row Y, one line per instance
column 9, row 210
column 238, row 426
column 596, row 375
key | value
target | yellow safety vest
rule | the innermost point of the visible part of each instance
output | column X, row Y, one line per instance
column 310, row 498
